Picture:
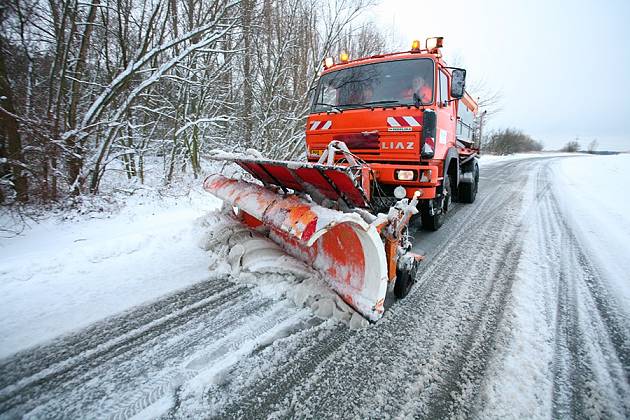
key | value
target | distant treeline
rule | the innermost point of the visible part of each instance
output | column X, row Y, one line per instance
column 510, row 140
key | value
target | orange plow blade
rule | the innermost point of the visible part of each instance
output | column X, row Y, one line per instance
column 343, row 247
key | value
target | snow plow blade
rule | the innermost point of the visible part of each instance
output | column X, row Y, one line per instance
column 346, row 184
column 346, row 249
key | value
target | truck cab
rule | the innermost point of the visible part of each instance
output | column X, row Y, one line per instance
column 408, row 116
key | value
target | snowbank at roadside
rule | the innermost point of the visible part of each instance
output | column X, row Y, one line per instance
column 61, row 275
column 595, row 196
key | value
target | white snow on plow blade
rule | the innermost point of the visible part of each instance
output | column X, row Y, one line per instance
column 252, row 258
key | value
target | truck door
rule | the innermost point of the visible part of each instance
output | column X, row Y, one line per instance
column 445, row 136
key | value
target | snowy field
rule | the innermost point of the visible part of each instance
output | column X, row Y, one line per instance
column 557, row 227
column 60, row 275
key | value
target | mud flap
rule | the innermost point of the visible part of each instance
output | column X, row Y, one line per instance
column 343, row 247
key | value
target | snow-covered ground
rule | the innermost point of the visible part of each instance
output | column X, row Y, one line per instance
column 521, row 327
column 595, row 195
column 489, row 159
column 61, row 275
column 576, row 239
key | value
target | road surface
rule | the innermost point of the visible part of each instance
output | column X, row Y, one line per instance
column 509, row 317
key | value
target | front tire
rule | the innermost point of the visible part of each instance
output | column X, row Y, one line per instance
column 468, row 190
column 434, row 221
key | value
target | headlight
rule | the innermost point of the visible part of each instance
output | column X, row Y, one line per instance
column 405, row 175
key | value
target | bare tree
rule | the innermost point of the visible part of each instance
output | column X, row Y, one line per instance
column 11, row 154
column 488, row 98
column 571, row 146
column 363, row 41
column 509, row 140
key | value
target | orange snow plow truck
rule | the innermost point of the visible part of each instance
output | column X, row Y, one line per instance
column 388, row 137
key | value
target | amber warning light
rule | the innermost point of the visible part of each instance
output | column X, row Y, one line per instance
column 415, row 45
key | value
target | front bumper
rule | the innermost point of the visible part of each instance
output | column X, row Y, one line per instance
column 385, row 175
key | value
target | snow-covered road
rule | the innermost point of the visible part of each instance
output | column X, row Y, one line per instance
column 516, row 314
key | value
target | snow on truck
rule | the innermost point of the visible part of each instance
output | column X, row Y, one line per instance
column 388, row 136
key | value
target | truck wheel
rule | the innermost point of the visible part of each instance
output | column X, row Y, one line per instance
column 435, row 221
column 468, row 190
column 405, row 278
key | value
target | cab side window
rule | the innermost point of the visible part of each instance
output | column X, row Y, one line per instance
column 443, row 87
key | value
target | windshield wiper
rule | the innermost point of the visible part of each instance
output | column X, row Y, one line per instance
column 369, row 104
column 391, row 101
column 332, row 107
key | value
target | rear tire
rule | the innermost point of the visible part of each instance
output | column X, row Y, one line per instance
column 435, row 221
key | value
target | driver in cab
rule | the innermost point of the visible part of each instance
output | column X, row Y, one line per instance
column 419, row 91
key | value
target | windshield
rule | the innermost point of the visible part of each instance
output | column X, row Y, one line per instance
column 402, row 82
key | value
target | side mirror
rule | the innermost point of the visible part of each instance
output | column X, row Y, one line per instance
column 458, row 83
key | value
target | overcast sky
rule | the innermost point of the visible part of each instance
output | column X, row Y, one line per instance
column 562, row 67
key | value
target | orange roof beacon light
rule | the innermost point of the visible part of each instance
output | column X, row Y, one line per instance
column 433, row 44
column 328, row 62
column 415, row 45
column 343, row 57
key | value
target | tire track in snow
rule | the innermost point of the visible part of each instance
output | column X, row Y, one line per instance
column 455, row 392
column 68, row 381
column 268, row 362
column 231, row 342
column 467, row 372
column 37, row 359
column 591, row 368
column 264, row 395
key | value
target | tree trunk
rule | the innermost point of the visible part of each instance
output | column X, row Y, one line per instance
column 75, row 158
column 247, row 7
column 11, row 131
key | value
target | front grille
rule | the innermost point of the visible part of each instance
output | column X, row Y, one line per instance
column 383, row 197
